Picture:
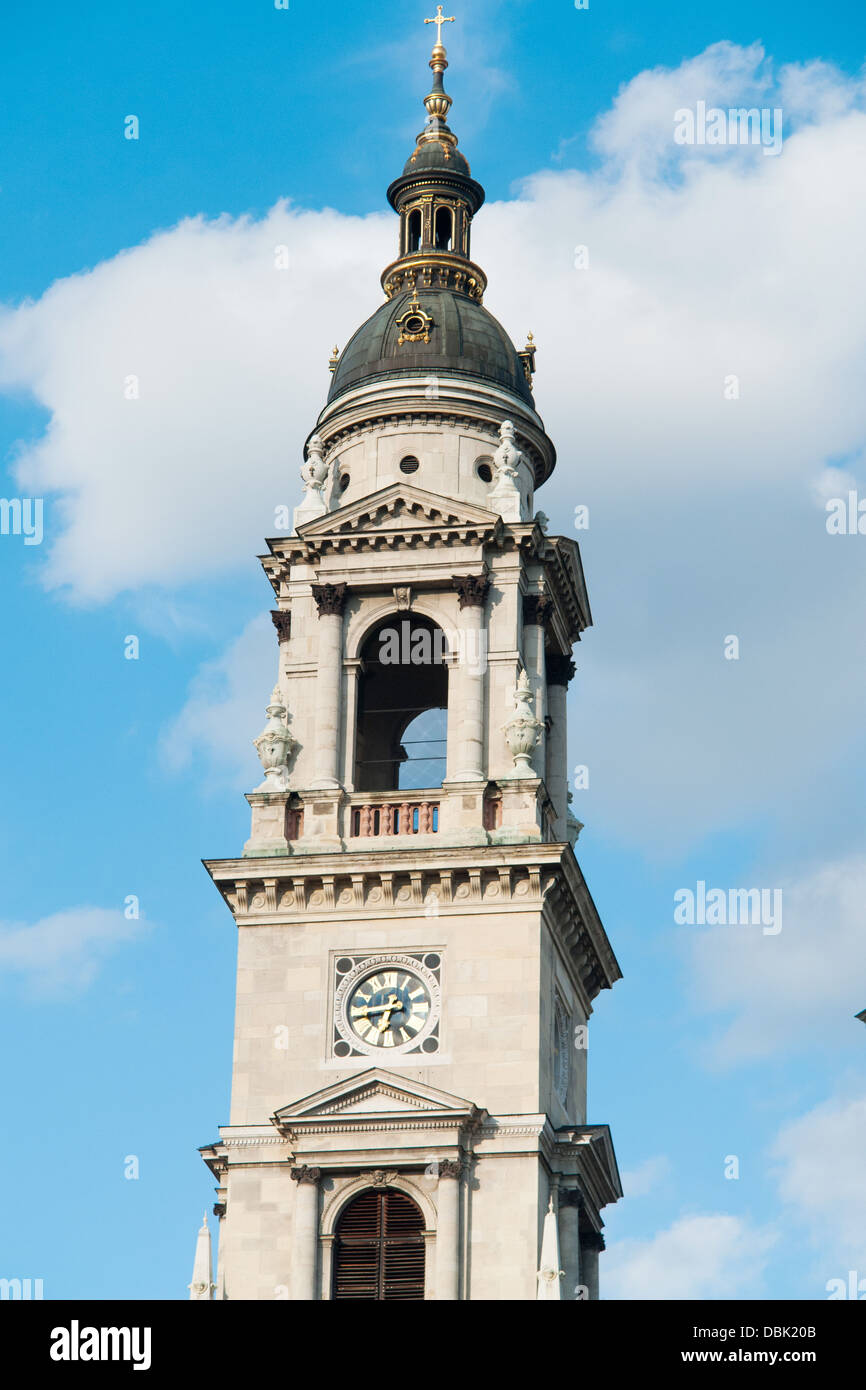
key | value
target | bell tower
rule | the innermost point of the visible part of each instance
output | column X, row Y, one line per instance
column 418, row 953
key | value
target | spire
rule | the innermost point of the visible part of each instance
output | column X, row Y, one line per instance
column 436, row 131
column 438, row 102
column 202, row 1285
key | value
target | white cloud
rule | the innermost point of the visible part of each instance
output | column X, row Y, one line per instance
column 820, row 1178
column 638, row 129
column 817, row 1172
column 817, row 91
column 699, row 1256
column 796, row 991
column 229, row 351
column 62, row 954
column 703, row 513
column 225, row 711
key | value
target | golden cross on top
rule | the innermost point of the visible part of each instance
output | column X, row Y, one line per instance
column 439, row 21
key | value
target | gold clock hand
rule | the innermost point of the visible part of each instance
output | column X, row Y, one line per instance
column 386, row 1017
column 373, row 1009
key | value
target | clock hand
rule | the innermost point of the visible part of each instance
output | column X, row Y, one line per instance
column 386, row 1018
column 376, row 1008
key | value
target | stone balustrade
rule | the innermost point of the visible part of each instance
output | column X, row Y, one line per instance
column 377, row 818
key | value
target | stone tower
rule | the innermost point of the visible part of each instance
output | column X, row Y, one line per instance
column 418, row 952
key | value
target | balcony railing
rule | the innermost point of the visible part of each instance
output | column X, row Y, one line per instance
column 394, row 818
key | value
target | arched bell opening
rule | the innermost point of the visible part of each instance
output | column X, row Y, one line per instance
column 379, row 1252
column 413, row 231
column 444, row 229
column 402, row 712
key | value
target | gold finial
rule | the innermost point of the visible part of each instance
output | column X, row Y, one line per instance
column 527, row 357
column 439, row 21
column 335, row 357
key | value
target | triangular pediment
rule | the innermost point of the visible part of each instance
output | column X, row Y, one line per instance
column 375, row 1092
column 396, row 508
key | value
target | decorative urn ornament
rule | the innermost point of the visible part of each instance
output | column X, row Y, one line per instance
column 315, row 471
column 275, row 746
column 314, row 474
column 523, row 731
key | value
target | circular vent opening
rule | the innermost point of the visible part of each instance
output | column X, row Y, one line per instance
column 344, row 481
column 485, row 472
column 409, row 464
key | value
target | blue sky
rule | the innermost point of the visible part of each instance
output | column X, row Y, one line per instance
column 707, row 520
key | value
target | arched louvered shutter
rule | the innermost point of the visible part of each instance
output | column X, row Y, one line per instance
column 379, row 1249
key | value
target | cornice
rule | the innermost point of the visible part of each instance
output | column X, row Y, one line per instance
column 388, row 1123
column 565, row 579
column 589, row 1150
column 494, row 1131
column 477, row 880
column 254, row 1143
column 354, row 535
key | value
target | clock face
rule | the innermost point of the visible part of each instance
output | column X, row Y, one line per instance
column 388, row 1007
column 387, row 1004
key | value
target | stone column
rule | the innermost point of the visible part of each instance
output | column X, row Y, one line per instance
column 282, row 621
column 560, row 670
column 570, row 1202
column 305, row 1234
column 448, row 1231
column 330, row 601
column 327, row 1247
column 591, row 1244
column 536, row 608
column 467, row 704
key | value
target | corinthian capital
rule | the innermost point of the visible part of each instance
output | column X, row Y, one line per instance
column 537, row 608
column 330, row 598
column 451, row 1168
column 305, row 1174
column 471, row 589
column 560, row 669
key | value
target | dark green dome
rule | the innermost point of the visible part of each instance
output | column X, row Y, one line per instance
column 464, row 338
column 432, row 156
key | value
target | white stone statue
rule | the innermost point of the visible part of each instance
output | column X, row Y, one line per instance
column 275, row 746
column 523, row 730
column 504, row 497
column 314, row 475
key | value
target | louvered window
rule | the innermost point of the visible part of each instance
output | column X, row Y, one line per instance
column 379, row 1250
